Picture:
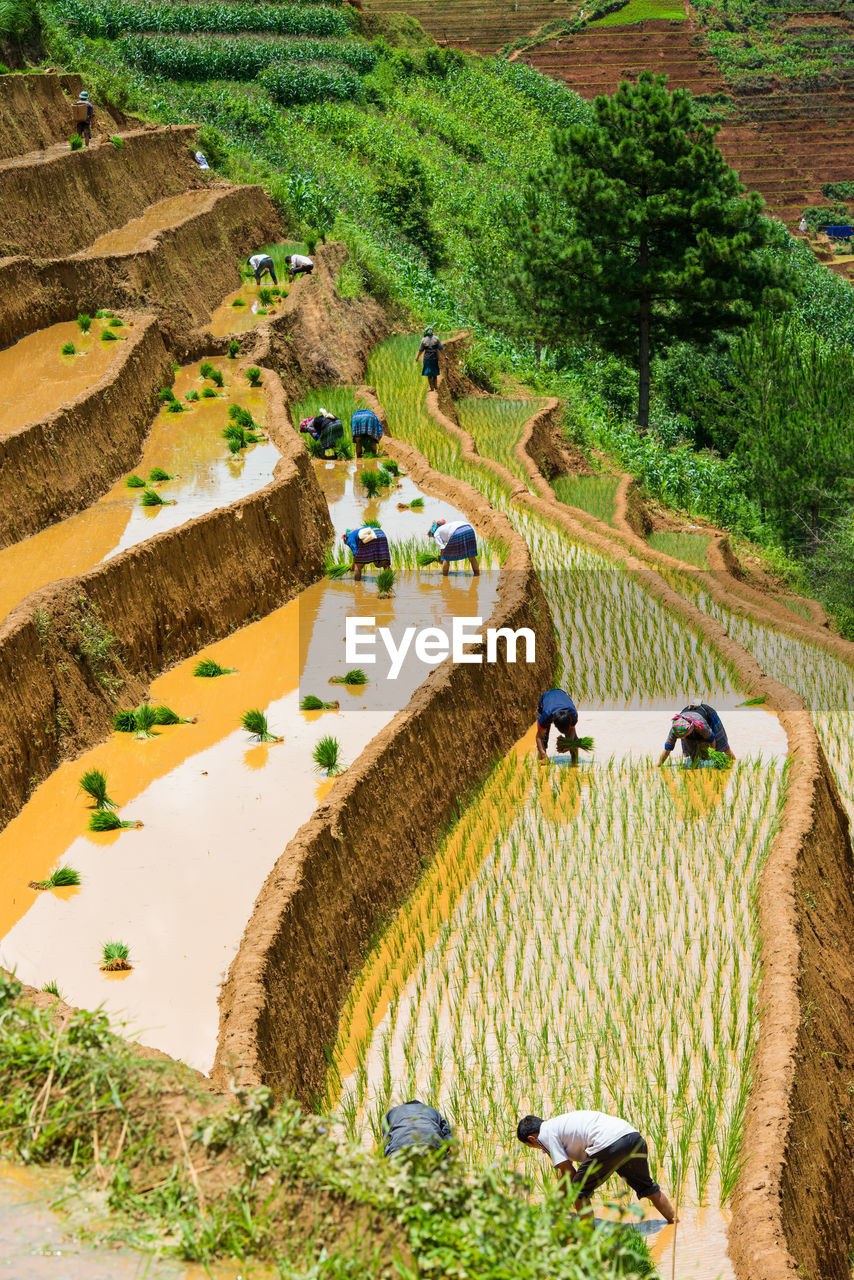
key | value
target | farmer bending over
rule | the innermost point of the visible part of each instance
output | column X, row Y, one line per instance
column 414, row 1124
column 429, row 349
column 83, row 115
column 455, row 542
column 698, row 727
column 366, row 430
column 598, row 1145
column 299, row 265
column 325, row 428
column 556, row 708
column 369, row 546
column 262, row 265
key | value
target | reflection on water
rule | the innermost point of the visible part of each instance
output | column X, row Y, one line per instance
column 156, row 218
column 229, row 318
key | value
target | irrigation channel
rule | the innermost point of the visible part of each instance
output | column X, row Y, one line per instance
column 586, row 937
column 230, row 803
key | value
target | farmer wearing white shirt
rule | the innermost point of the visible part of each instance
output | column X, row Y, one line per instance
column 598, row 1145
column 262, row 265
column 455, row 542
column 299, row 265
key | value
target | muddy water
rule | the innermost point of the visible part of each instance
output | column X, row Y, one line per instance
column 37, row 1243
column 217, row 809
column 156, row 218
column 229, row 318
column 189, row 446
column 36, row 378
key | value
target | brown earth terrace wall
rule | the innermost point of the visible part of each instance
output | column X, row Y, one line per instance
column 365, row 847
column 182, row 272
column 51, row 468
column 57, row 205
column 793, row 1207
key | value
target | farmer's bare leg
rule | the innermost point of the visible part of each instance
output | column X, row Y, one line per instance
column 358, row 446
column 357, row 573
column 433, row 381
column 475, row 568
column 663, row 1205
column 446, row 564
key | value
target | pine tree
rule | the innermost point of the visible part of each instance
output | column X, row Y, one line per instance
column 637, row 232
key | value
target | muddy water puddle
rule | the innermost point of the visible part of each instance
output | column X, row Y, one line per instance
column 218, row 809
column 156, row 218
column 36, row 378
column 190, row 448
column 243, row 309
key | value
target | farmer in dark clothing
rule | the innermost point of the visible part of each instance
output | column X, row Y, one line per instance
column 369, row 546
column 598, row 1145
column 325, row 428
column 698, row 727
column 556, row 708
column 414, row 1124
column 83, row 115
column 429, row 349
column 366, row 430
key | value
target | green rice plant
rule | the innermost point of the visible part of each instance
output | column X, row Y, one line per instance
column 354, row 677
column 52, row 989
column 754, row 702
column 102, row 820
column 94, row 783
column 718, row 759
column 108, row 336
column 238, row 302
column 385, row 583
column 237, row 437
column 579, row 744
column 192, row 396
column 336, row 562
column 266, row 296
column 417, row 504
column 151, row 498
column 372, row 524
column 374, row 481
column 116, row 322
column 208, row 393
column 115, row 956
column 206, row 369
column 208, row 669
column 392, row 467
column 217, row 378
column 233, row 349
column 101, row 314
column 165, row 715
column 135, row 482
column 145, row 717
column 326, row 756
column 117, row 142
column 255, row 723
column 61, row 878
column 426, row 558
column 166, row 395
column 253, row 374
column 76, row 142
column 125, row 721
column 68, row 349
column 84, row 322
column 157, row 475
column 310, row 703
column 175, row 406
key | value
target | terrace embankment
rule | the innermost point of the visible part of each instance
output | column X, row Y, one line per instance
column 54, row 465
column 35, row 112
column 794, row 1202
column 356, row 859
column 67, row 649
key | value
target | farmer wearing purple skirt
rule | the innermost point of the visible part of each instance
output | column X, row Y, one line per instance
column 369, row 546
column 455, row 542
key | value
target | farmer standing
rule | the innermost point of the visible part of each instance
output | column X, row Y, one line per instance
column 698, row 727
column 455, row 542
column 415, row 1124
column 429, row 349
column 262, row 265
column 366, row 430
column 598, row 1145
column 83, row 115
column 556, row 708
column 369, row 546
column 299, row 265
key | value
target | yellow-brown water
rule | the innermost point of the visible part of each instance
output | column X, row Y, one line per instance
column 190, row 447
column 36, row 378
column 217, row 810
column 157, row 217
column 229, row 318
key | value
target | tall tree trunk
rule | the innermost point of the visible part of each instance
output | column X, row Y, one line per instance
column 643, row 345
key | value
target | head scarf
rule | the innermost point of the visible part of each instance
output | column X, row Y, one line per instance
column 683, row 725
column 433, row 527
column 428, row 332
column 346, row 534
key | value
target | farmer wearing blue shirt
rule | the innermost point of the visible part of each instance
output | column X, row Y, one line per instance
column 698, row 727
column 366, row 430
column 556, row 708
column 369, row 546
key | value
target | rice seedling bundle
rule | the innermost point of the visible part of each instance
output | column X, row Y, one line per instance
column 166, row 395
column 373, row 482
column 94, row 783
column 192, row 396
column 175, row 406
column 392, row 467
column 255, row 724
column 354, row 677
column 157, row 475
column 84, row 322
column 580, row 743
column 145, row 717
column 68, row 349
column 311, row 703
column 115, row 956
column 266, row 296
column 60, row 878
column 151, row 498
column 206, row 369
column 208, row 393
column 253, row 376
column 108, row 336
column 135, row 482
column 327, row 756
column 104, row 820
column 336, row 562
column 233, row 350
column 417, row 504
column 208, row 669
column 238, row 302
column 385, row 583
column 116, row 322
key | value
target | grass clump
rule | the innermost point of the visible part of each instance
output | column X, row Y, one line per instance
column 327, row 756
column 115, row 957
column 311, row 703
column 157, row 475
column 255, row 723
column 254, row 376
column 103, row 820
column 94, row 784
column 385, row 583
column 52, row 989
column 60, row 878
column 352, row 678
column 135, row 482
column 68, row 349
column 207, row 669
